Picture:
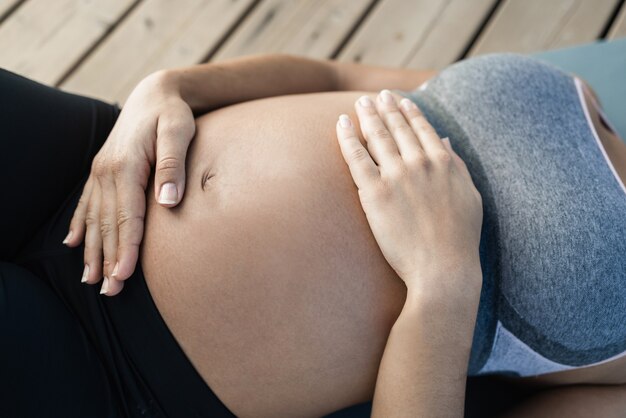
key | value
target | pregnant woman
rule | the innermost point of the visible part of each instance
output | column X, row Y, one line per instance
column 274, row 279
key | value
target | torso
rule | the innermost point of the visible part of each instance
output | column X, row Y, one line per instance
column 269, row 278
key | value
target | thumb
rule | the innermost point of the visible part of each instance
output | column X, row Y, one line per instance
column 169, row 177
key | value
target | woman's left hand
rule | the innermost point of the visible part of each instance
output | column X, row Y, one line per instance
column 417, row 194
column 154, row 129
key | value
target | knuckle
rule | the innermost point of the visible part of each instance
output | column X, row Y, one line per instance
column 401, row 129
column 125, row 218
column 414, row 113
column 91, row 219
column 168, row 164
column 131, row 249
column 442, row 156
column 422, row 124
column 98, row 167
column 419, row 160
column 415, row 116
column 106, row 227
column 396, row 169
column 171, row 127
column 117, row 165
column 357, row 155
column 381, row 133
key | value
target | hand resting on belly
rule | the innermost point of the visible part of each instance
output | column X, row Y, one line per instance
column 267, row 273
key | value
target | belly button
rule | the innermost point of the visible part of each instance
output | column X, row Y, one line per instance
column 206, row 177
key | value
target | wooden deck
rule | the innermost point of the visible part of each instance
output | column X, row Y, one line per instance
column 103, row 48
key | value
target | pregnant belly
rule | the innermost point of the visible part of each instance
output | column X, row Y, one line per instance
column 267, row 274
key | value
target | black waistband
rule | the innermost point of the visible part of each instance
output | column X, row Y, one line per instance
column 158, row 364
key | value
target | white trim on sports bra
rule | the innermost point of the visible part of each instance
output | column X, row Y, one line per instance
column 581, row 96
column 509, row 353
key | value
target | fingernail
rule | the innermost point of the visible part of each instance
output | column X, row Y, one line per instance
column 407, row 104
column 105, row 285
column 85, row 274
column 345, row 121
column 68, row 237
column 365, row 101
column 168, row 194
column 117, row 265
column 386, row 96
column 447, row 141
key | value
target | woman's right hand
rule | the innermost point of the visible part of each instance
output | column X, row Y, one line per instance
column 417, row 193
column 155, row 127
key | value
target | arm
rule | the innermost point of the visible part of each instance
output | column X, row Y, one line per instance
column 155, row 129
column 208, row 86
column 426, row 216
column 424, row 366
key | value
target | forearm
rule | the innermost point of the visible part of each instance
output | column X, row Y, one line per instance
column 209, row 86
column 424, row 366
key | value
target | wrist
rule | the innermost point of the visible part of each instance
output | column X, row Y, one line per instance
column 461, row 282
column 452, row 317
column 166, row 82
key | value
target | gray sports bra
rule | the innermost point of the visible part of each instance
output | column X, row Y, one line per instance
column 553, row 243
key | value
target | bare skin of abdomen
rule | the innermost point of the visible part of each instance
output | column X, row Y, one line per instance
column 267, row 273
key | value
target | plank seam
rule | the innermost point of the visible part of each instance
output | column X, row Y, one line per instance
column 227, row 34
column 355, row 27
column 420, row 42
column 553, row 37
column 480, row 28
column 10, row 10
column 96, row 44
column 612, row 19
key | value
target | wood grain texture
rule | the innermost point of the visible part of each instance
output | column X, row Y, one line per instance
column 157, row 34
column 428, row 33
column 43, row 39
column 451, row 34
column 313, row 28
column 534, row 25
column 6, row 5
column 618, row 28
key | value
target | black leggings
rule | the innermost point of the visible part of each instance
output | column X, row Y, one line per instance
column 65, row 350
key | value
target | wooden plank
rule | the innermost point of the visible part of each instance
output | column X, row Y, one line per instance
column 313, row 28
column 451, row 34
column 6, row 5
column 398, row 34
column 618, row 29
column 533, row 25
column 387, row 35
column 43, row 39
column 157, row 34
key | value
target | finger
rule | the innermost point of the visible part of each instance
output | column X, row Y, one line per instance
column 173, row 140
column 458, row 160
column 77, row 228
column 131, row 210
column 111, row 286
column 380, row 143
column 93, row 239
column 430, row 141
column 406, row 140
column 361, row 165
column 108, row 229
